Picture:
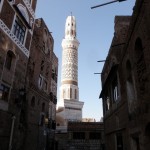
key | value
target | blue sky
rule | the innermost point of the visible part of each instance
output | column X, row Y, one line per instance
column 95, row 29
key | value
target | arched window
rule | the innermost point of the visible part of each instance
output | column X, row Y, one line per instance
column 33, row 101
column 75, row 93
column 140, row 64
column 129, row 86
column 24, row 12
column 9, row 59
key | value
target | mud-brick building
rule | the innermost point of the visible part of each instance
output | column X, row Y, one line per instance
column 114, row 105
column 16, row 30
column 42, row 89
column 85, row 135
column 81, row 136
column 126, row 83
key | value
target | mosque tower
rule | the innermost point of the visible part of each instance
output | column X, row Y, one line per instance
column 69, row 91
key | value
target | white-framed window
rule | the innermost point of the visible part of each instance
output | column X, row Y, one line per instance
column 1, row 4
column 19, row 29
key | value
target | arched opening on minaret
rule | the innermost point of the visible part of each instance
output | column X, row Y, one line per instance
column 70, row 92
column 75, row 94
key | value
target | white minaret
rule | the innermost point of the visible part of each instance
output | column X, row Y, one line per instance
column 69, row 91
column 69, row 78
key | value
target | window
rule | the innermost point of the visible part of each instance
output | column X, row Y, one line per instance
column 75, row 94
column 119, row 141
column 78, row 135
column 4, row 92
column 40, row 81
column 115, row 89
column 135, row 143
column 8, row 62
column 107, row 103
column 19, row 30
column 95, row 135
column 70, row 92
column 71, row 32
column 1, row 3
column 130, row 86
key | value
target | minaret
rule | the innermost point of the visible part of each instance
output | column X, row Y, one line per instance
column 69, row 91
column 69, row 78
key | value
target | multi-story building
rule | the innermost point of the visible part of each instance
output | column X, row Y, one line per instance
column 16, row 30
column 125, row 82
column 42, row 89
column 114, row 105
column 28, row 78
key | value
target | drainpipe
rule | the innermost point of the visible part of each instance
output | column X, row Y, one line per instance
column 12, row 130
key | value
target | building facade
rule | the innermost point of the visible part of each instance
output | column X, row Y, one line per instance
column 125, row 82
column 28, row 78
column 82, row 135
column 85, row 135
column 42, row 89
column 16, row 28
